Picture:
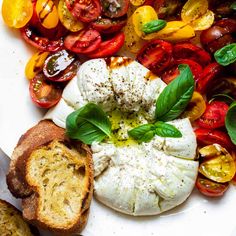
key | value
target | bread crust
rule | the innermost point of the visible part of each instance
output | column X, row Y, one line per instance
column 38, row 136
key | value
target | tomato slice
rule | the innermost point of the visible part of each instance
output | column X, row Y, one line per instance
column 85, row 41
column 43, row 93
column 218, row 165
column 84, row 10
column 191, row 51
column 172, row 71
column 109, row 47
column 210, row 188
column 209, row 74
column 210, row 136
column 156, row 55
column 108, row 26
column 214, row 116
column 115, row 9
column 42, row 43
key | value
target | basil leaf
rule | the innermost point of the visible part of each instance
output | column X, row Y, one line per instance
column 143, row 133
column 230, row 122
column 153, row 26
column 233, row 6
column 163, row 129
column 226, row 55
column 88, row 124
column 176, row 95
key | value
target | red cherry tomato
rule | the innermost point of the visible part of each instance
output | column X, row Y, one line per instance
column 210, row 136
column 84, row 41
column 210, row 188
column 115, row 9
column 209, row 74
column 42, row 43
column 156, row 55
column 191, row 51
column 214, row 116
column 108, row 26
column 43, row 93
column 84, row 10
column 109, row 47
column 172, row 71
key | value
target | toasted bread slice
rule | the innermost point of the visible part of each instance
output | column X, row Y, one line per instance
column 54, row 178
column 12, row 222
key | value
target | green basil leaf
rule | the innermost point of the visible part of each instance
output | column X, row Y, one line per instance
column 233, row 6
column 88, row 124
column 230, row 122
column 226, row 55
column 153, row 26
column 143, row 133
column 163, row 129
column 176, row 95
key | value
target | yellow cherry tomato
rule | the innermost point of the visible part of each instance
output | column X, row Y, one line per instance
column 218, row 164
column 195, row 108
column 141, row 16
column 193, row 9
column 204, row 22
column 137, row 2
column 175, row 31
column 132, row 41
column 66, row 18
column 17, row 13
column 35, row 64
column 47, row 13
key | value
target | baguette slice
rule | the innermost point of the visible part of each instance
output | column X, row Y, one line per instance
column 12, row 222
column 54, row 178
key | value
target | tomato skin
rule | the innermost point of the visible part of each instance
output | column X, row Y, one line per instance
column 172, row 71
column 84, row 10
column 84, row 41
column 192, row 52
column 210, row 136
column 109, row 47
column 156, row 55
column 43, row 93
column 214, row 116
column 41, row 43
column 210, row 188
column 115, row 9
column 209, row 74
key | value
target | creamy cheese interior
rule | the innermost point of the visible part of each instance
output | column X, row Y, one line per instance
column 136, row 179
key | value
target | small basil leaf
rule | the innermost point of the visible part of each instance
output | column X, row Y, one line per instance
column 226, row 55
column 163, row 129
column 222, row 97
column 230, row 122
column 143, row 133
column 88, row 124
column 176, row 95
column 153, row 26
column 233, row 6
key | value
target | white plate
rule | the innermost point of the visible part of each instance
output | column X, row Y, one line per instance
column 199, row 216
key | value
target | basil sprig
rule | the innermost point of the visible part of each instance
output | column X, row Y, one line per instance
column 145, row 133
column 233, row 6
column 176, row 95
column 230, row 122
column 226, row 55
column 88, row 124
column 153, row 26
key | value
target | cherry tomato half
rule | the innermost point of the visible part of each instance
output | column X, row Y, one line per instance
column 191, row 51
column 156, row 55
column 210, row 188
column 114, row 9
column 43, row 93
column 84, row 10
column 214, row 116
column 209, row 75
column 84, row 41
column 109, row 47
column 210, row 136
column 172, row 71
column 218, row 165
column 108, row 26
